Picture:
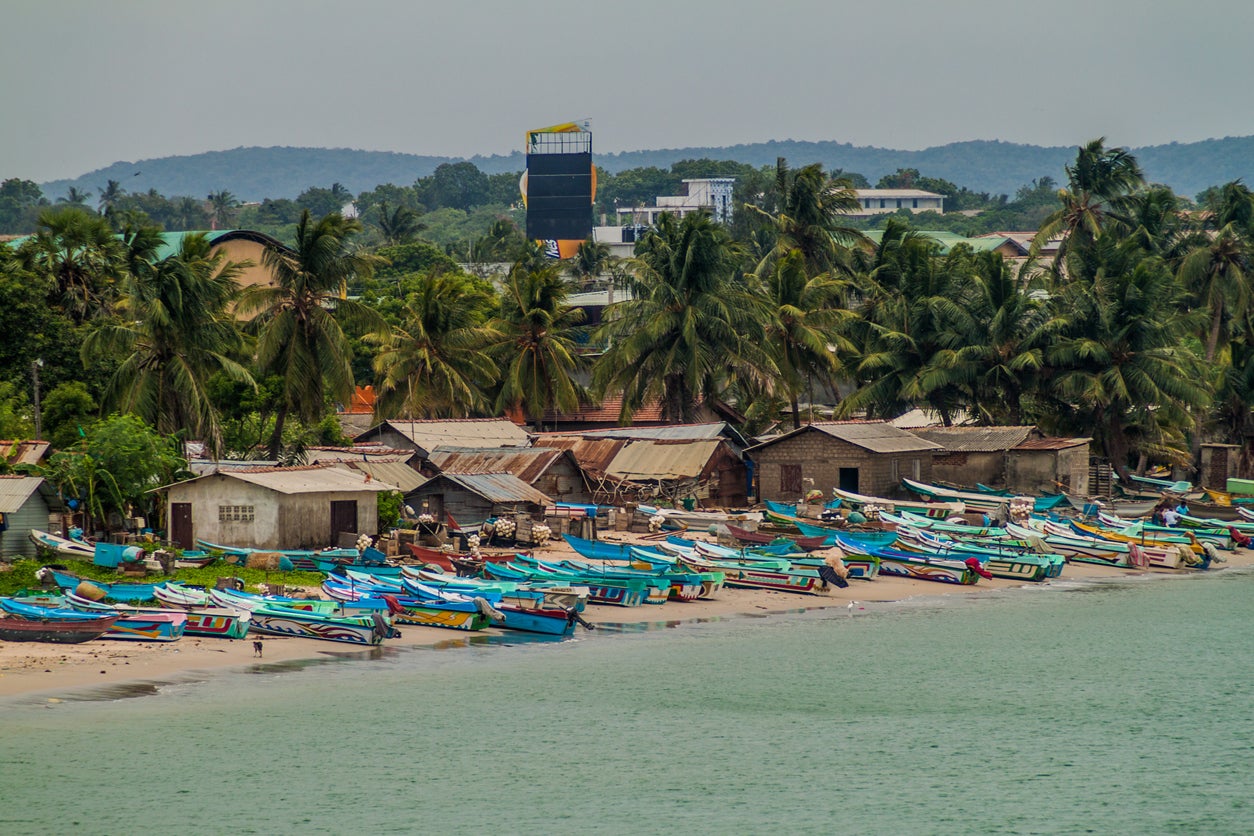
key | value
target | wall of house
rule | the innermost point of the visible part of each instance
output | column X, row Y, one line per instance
column 280, row 521
column 1041, row 471
column 563, row 482
column 967, row 468
column 727, row 477
column 1219, row 464
column 15, row 539
column 445, row 498
column 821, row 457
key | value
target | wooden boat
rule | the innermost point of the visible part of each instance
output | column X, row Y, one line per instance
column 1009, row 563
column 1164, row 485
column 700, row 519
column 283, row 621
column 1121, row 507
column 620, row 593
column 977, row 501
column 939, row 569
column 1220, row 537
column 933, row 509
column 1137, row 534
column 807, row 544
column 126, row 593
column 76, row 549
column 30, row 623
column 136, row 625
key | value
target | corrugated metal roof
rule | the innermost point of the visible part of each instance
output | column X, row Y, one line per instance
column 527, row 463
column 463, row 432
column 321, row 478
column 395, row 473
column 648, row 460
column 1051, row 443
column 358, row 452
column 15, row 490
column 592, row 454
column 976, row 439
column 23, row 452
column 497, row 487
column 874, row 436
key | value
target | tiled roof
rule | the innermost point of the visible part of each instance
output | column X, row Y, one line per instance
column 1051, row 443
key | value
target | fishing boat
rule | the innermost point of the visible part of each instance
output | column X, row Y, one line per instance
column 1180, row 487
column 1041, row 504
column 932, row 509
column 30, row 623
column 758, row 538
column 620, row 593
column 75, row 549
column 1121, row 507
column 284, row 621
column 126, row 593
column 203, row 617
column 133, row 624
column 700, row 519
column 420, row 609
column 905, row 564
column 976, row 501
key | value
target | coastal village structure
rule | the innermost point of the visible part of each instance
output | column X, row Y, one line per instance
column 471, row 498
column 887, row 201
column 552, row 472
column 1019, row 458
column 26, row 503
column 868, row 457
column 273, row 507
column 423, row 436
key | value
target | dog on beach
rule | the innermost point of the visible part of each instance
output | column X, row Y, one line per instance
column 257, row 647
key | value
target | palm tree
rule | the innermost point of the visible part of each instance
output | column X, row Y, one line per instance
column 398, row 225
column 803, row 330
column 590, row 259
column 811, row 208
column 81, row 256
column 110, row 195
column 689, row 327
column 1098, row 182
column 299, row 317
column 222, row 208
column 1216, row 272
column 434, row 363
column 537, row 350
column 75, row 197
column 176, row 331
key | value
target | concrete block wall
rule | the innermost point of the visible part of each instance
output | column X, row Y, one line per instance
column 821, row 457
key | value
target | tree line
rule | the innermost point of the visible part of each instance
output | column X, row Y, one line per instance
column 1136, row 333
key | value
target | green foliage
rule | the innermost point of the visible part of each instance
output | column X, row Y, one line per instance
column 413, row 258
column 66, row 410
column 20, row 204
column 16, row 414
column 22, row 576
column 390, row 509
column 454, row 186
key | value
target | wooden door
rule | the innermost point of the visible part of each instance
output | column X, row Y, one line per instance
column 849, row 479
column 181, row 525
column 343, row 517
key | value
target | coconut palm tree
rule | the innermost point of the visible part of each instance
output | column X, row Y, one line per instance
column 75, row 197
column 809, row 219
column 222, row 208
column 398, row 225
column 175, row 330
column 803, row 331
column 690, row 326
column 434, row 364
column 1217, row 273
column 110, row 196
column 590, row 260
column 1098, row 182
column 300, row 317
column 537, row 344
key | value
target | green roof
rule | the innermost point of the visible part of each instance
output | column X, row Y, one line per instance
column 949, row 240
column 173, row 241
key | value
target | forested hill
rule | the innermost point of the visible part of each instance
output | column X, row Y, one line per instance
column 252, row 174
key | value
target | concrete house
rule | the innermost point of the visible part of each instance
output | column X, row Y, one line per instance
column 273, row 507
column 974, row 455
column 868, row 457
column 26, row 502
column 552, row 472
column 1047, row 465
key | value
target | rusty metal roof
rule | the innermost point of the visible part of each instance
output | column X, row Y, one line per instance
column 660, row 461
column 873, row 436
column 593, row 454
column 976, row 439
column 23, row 452
column 527, row 463
column 395, row 473
column 497, row 488
column 1051, row 443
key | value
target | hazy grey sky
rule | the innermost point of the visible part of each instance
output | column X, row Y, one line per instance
column 88, row 82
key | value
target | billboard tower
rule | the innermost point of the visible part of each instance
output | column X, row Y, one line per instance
column 558, row 187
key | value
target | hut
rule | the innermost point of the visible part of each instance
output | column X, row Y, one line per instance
column 869, row 457
column 26, row 503
column 424, row 436
column 974, row 455
column 1220, row 462
column 551, row 471
column 1048, row 465
column 470, row 498
column 273, row 507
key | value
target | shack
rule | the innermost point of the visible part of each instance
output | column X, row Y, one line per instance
column 424, row 436
column 551, row 471
column 1048, row 465
column 273, row 507
column 868, row 457
column 471, row 498
column 974, row 455
column 26, row 503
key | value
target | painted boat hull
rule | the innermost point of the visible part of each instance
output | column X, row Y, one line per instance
column 53, row 632
column 221, row 624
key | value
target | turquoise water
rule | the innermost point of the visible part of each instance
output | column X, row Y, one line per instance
column 1101, row 708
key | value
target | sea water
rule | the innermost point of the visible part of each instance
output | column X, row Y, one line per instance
column 1112, row 707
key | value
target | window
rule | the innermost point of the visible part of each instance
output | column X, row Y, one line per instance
column 235, row 513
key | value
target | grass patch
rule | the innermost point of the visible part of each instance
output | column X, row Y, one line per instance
column 21, row 575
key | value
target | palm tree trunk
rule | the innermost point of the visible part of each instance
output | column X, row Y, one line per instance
column 796, row 412
column 276, row 437
column 1212, row 339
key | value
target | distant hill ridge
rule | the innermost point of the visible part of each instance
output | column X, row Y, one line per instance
column 254, row 173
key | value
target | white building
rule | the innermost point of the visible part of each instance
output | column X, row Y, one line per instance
column 883, row 201
column 711, row 194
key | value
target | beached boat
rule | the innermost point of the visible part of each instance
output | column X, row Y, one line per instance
column 975, row 501
column 905, row 564
column 932, row 509
column 284, row 621
column 758, row 538
column 136, row 625
column 700, row 519
column 75, row 549
column 1121, row 507
column 624, row 593
column 30, row 623
column 124, row 593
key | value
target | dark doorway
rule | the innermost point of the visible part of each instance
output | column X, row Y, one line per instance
column 343, row 518
column 849, row 479
column 181, row 525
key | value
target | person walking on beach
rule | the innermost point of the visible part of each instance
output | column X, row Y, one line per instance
column 257, row 647
column 834, row 572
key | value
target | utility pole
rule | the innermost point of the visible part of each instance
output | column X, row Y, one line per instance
column 34, row 373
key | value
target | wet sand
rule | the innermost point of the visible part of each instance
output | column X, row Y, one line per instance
column 28, row 668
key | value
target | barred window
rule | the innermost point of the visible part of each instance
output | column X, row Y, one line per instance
column 235, row 513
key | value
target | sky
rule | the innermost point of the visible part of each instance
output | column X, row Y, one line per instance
column 85, row 83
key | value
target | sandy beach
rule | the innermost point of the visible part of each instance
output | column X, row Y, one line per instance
column 28, row 668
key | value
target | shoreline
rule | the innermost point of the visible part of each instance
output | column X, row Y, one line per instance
column 59, row 672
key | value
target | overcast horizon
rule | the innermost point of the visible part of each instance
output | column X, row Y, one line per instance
column 88, row 84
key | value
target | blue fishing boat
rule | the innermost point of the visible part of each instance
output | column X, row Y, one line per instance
column 126, row 593
column 31, row 623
